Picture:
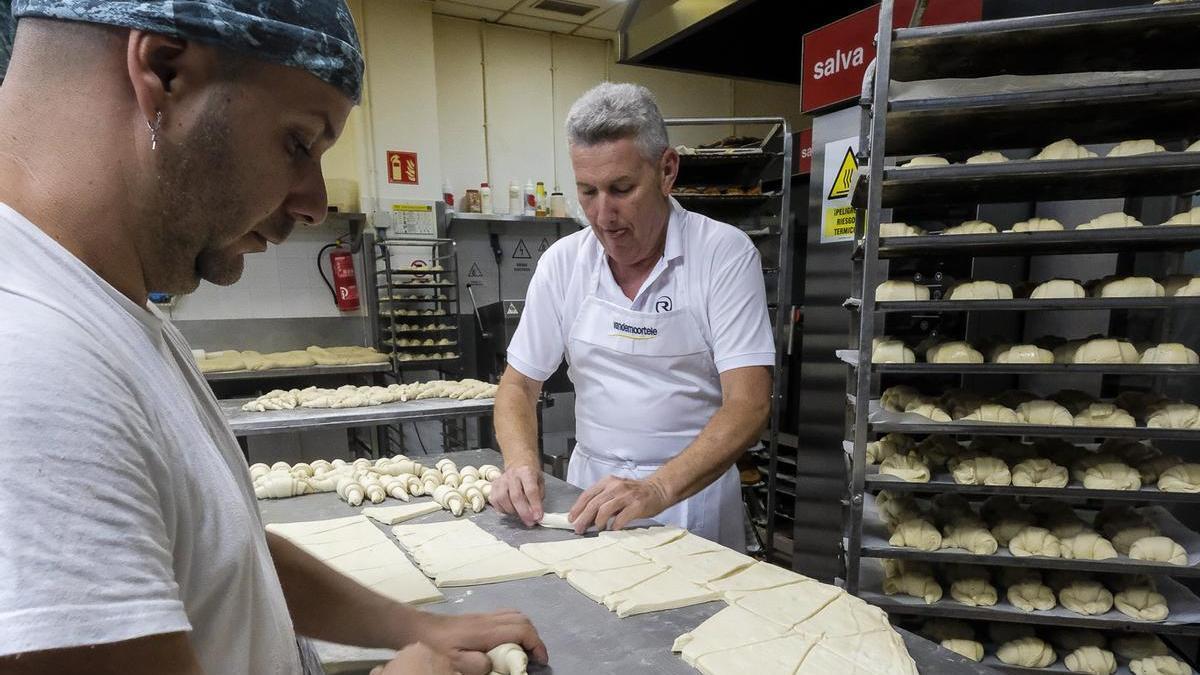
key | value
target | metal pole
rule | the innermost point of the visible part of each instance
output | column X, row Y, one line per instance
column 783, row 296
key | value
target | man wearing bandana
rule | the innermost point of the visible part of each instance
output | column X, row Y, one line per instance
column 146, row 146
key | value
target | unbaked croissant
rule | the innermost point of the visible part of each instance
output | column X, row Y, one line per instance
column 983, row 289
column 1159, row 665
column 1106, row 350
column 966, row 648
column 1029, row 652
column 982, row 471
column 887, row 350
column 1091, row 660
column 1044, row 412
column 1008, row 526
column 915, row 584
column 917, row 533
column 975, row 592
column 897, row 398
column 1129, row 287
column 928, row 410
column 1175, row 416
column 1158, row 549
column 1180, row 478
column 898, row 509
column 953, row 352
column 898, row 290
column 992, row 413
column 970, row 537
column 1035, row 541
column 1086, row 597
column 1039, row 473
column 1024, row 354
column 1112, row 476
column 1087, row 546
column 1103, row 415
column 449, row 498
column 1142, row 603
column 905, row 467
column 1170, row 352
column 1031, row 595
column 1058, row 289
column 1152, row 468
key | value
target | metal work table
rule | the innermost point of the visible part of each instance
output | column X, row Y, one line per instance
column 277, row 421
column 582, row 636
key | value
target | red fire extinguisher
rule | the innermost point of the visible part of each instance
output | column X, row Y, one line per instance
column 345, row 287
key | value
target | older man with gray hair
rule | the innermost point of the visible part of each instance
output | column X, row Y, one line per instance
column 661, row 314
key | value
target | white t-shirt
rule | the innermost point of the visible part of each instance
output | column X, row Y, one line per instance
column 717, row 260
column 125, row 509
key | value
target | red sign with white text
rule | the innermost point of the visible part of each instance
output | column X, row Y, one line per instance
column 835, row 57
column 402, row 167
column 802, row 152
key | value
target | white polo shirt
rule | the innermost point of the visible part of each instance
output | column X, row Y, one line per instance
column 718, row 262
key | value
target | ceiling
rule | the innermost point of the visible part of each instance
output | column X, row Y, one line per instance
column 597, row 19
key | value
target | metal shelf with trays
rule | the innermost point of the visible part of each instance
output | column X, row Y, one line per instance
column 418, row 299
column 960, row 123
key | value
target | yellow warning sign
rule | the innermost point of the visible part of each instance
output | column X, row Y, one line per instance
column 845, row 176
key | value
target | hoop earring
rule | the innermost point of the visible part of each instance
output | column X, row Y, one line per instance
column 154, row 127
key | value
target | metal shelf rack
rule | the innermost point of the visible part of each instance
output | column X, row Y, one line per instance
column 416, row 301
column 956, row 125
column 766, row 217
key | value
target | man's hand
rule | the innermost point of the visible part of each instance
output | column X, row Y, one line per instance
column 519, row 491
column 620, row 500
column 468, row 638
column 416, row 659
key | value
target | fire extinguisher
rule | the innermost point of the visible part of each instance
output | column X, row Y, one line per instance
column 344, row 287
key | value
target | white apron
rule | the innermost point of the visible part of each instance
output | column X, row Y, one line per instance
column 645, row 386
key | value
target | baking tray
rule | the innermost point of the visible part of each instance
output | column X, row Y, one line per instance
column 850, row 357
column 1115, row 240
column 1025, row 305
column 306, row 371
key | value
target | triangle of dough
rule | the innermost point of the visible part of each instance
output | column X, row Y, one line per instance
column 727, row 629
column 705, row 567
column 607, row 558
column 820, row 660
column 376, row 555
column 669, row 590
column 457, row 532
column 333, row 549
column 400, row 584
column 757, row 577
column 789, row 605
column 552, row 552
column 777, row 656
column 390, row 515
column 307, row 530
column 507, row 566
column 597, row 585
column 688, row 544
column 845, row 616
column 433, row 560
column 644, row 538
column 879, row 650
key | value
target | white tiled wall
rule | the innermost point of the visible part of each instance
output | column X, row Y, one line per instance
column 281, row 283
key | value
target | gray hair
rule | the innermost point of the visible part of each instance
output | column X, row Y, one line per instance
column 613, row 111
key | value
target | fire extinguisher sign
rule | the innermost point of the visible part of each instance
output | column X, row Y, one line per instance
column 402, row 167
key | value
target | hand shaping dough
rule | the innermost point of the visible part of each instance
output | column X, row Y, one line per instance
column 981, row 290
column 1158, row 549
column 897, row 398
column 917, row 533
column 1103, row 415
column 1029, row 596
column 1039, row 473
column 1112, row 476
column 982, row 471
column 1106, row 351
column 953, row 352
column 1086, row 597
column 1110, row 221
column 509, row 659
column 1175, row 416
column 928, row 410
column 972, row 227
column 1029, row 652
column 987, row 157
column 1129, row 287
column 1038, row 225
column 1087, row 546
column 1044, row 412
column 1180, row 478
column 1092, row 660
column 1064, row 149
column 1035, row 541
column 972, row 538
column 1170, row 352
column 975, row 592
column 969, row 649
column 1144, row 146
column 886, row 350
column 1024, row 354
column 925, row 160
column 915, row 584
column 899, row 230
column 1189, row 217
column 896, row 290
column 1142, row 603
column 1159, row 665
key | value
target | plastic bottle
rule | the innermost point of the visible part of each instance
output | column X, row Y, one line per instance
column 541, row 206
column 515, row 206
column 530, row 199
column 448, row 196
column 485, row 198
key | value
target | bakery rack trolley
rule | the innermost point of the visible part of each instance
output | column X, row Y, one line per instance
column 764, row 213
column 957, row 123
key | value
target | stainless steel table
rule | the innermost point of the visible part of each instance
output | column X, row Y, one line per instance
column 583, row 637
column 277, row 421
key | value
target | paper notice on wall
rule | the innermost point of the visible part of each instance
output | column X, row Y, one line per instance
column 837, row 215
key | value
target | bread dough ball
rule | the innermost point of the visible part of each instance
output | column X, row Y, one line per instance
column 1064, row 149
column 1071, row 639
column 1139, row 645
column 1029, row 652
column 928, row 410
column 1189, row 217
column 1087, row 546
column 1129, row 287
column 1142, row 603
column 895, row 290
column 1171, row 352
column 968, row 649
column 1180, row 478
column 925, row 160
column 987, row 157
column 1031, row 596
column 982, row 471
column 917, row 533
column 939, row 629
column 981, row 290
column 1044, row 412
column 887, row 350
column 972, row 227
column 1174, row 416
column 1112, row 476
column 1024, row 354
column 1092, row 660
column 915, row 584
column 970, row 537
column 1035, row 541
column 1158, row 549
column 974, row 592
column 1106, row 350
column 1008, row 526
column 1038, row 225
column 1143, row 146
column 1152, row 468
column 953, row 352
column 1103, row 415
column 899, row 230
column 1086, row 597
column 1058, row 289
column 897, row 398
column 1159, row 665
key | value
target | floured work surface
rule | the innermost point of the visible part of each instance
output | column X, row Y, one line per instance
column 460, row 553
column 358, row 549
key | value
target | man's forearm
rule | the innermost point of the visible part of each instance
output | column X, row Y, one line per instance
column 516, row 423
column 326, row 605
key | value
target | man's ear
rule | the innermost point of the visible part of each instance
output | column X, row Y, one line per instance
column 669, row 170
column 163, row 70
